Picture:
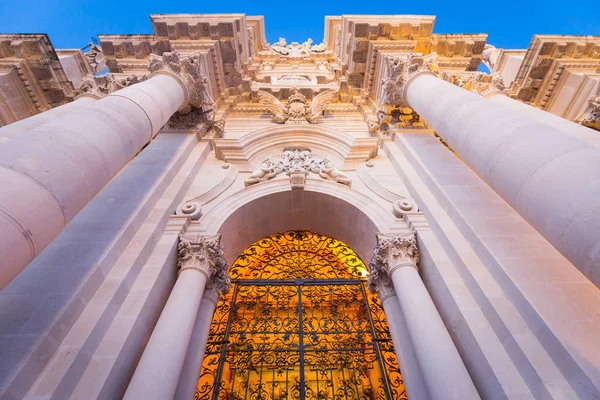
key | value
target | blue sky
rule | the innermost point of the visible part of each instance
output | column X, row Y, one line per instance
column 71, row 23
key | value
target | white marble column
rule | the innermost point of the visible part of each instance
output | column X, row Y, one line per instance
column 200, row 259
column 409, row 365
column 11, row 131
column 190, row 372
column 443, row 370
column 550, row 178
column 49, row 174
column 586, row 135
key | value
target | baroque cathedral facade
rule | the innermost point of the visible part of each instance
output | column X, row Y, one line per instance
column 196, row 213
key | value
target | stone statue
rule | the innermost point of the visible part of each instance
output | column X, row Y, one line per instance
column 266, row 171
column 329, row 171
column 489, row 56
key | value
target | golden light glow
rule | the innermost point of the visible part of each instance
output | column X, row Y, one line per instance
column 299, row 324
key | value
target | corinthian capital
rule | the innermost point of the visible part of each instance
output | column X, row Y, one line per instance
column 393, row 252
column 399, row 71
column 187, row 70
column 204, row 254
column 103, row 85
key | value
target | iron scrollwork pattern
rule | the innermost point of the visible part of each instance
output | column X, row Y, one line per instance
column 299, row 324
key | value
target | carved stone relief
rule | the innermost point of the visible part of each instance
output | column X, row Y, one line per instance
column 100, row 86
column 297, row 164
column 297, row 108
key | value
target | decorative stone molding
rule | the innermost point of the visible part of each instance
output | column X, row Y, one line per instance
column 100, row 86
column 478, row 82
column 297, row 163
column 393, row 251
column 400, row 71
column 297, row 109
column 187, row 71
column 400, row 207
column 205, row 255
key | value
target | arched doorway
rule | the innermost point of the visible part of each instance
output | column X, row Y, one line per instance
column 299, row 323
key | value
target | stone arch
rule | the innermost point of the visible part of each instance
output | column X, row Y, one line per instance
column 323, row 206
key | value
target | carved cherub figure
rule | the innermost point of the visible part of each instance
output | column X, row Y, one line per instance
column 266, row 171
column 329, row 171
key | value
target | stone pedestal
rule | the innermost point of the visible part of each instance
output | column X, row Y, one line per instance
column 157, row 374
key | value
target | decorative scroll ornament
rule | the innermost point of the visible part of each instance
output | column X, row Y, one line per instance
column 297, row 109
column 478, row 82
column 297, row 164
column 399, row 71
column 393, row 251
column 296, row 50
column 100, row 86
column 591, row 117
column 204, row 254
column 187, row 69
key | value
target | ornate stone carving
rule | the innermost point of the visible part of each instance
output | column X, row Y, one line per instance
column 478, row 82
column 100, row 86
column 381, row 284
column 591, row 117
column 393, row 251
column 296, row 50
column 489, row 56
column 213, row 127
column 204, row 254
column 399, row 207
column 297, row 164
column 399, row 71
column 187, row 69
column 297, row 108
column 95, row 57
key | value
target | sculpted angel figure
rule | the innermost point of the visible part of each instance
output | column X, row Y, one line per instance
column 329, row 171
column 297, row 108
column 266, row 171
column 280, row 46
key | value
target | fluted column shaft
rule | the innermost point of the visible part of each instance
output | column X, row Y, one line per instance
column 11, row 131
column 157, row 374
column 444, row 372
column 190, row 372
column 412, row 374
column 550, row 178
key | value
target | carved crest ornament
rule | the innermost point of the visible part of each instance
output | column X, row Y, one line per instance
column 297, row 164
column 297, row 108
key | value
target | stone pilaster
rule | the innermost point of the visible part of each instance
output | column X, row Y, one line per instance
column 100, row 86
column 186, row 69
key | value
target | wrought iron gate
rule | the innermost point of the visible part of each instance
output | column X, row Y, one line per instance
column 276, row 339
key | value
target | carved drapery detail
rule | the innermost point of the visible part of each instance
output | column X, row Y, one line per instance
column 489, row 56
column 479, row 82
column 399, row 71
column 297, row 164
column 205, row 255
column 297, row 108
column 187, row 70
column 100, row 86
column 393, row 251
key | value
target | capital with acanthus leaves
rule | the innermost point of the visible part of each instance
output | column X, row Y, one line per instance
column 103, row 85
column 399, row 71
column 393, row 251
column 188, row 71
column 205, row 255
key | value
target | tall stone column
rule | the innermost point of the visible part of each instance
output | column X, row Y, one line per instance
column 443, row 370
column 190, row 372
column 550, row 178
column 200, row 261
column 409, row 365
column 49, row 174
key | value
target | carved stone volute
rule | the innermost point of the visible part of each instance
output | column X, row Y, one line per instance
column 393, row 252
column 400, row 70
column 205, row 255
column 187, row 70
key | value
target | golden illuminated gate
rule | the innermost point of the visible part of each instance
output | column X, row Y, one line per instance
column 299, row 324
